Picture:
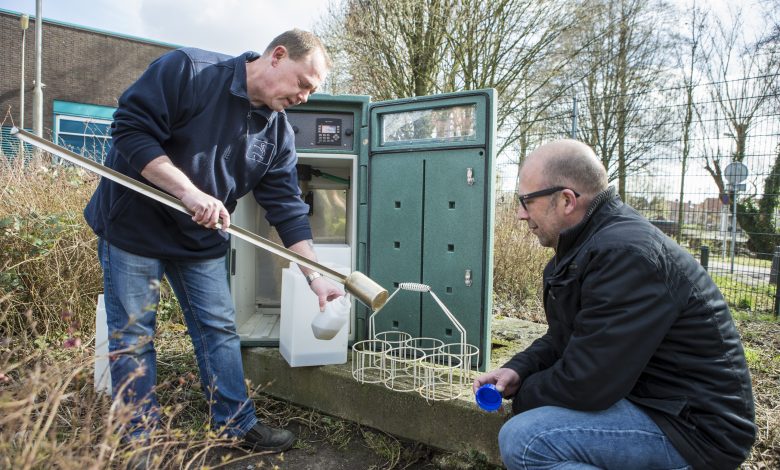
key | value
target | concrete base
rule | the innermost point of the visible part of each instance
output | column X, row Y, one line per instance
column 454, row 425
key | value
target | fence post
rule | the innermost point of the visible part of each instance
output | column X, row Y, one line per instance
column 776, row 308
column 705, row 256
column 775, row 269
column 773, row 272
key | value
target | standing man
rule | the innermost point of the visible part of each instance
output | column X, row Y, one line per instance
column 641, row 365
column 206, row 128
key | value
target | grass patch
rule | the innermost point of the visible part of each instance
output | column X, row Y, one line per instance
column 745, row 297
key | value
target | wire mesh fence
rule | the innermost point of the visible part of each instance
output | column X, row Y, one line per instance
column 668, row 152
column 671, row 163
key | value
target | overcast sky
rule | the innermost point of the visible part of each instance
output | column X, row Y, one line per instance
column 228, row 26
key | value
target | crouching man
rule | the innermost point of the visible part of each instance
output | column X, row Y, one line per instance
column 641, row 365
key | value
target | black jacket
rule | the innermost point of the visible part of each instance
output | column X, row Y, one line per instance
column 632, row 315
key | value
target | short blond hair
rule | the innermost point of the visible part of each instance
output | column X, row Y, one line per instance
column 299, row 44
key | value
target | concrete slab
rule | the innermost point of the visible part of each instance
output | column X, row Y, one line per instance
column 454, row 425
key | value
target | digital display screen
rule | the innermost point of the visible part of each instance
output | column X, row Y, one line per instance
column 328, row 131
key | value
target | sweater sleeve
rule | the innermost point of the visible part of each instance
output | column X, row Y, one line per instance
column 627, row 308
column 279, row 194
column 541, row 354
column 151, row 107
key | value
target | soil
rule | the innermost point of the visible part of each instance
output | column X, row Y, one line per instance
column 316, row 452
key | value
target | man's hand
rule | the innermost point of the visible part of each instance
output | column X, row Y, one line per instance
column 206, row 210
column 507, row 381
column 325, row 290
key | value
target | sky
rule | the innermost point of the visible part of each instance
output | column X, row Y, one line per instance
column 227, row 26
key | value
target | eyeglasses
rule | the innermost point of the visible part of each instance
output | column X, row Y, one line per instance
column 523, row 198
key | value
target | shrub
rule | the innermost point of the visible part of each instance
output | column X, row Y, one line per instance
column 49, row 264
column 517, row 267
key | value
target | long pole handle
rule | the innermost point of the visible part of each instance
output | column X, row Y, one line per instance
column 172, row 202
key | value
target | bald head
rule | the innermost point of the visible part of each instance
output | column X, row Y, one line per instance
column 568, row 163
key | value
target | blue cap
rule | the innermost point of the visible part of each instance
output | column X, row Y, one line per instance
column 488, row 398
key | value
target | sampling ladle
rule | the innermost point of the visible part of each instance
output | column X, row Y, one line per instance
column 356, row 283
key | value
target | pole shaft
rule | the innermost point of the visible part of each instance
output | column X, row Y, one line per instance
column 734, row 230
column 21, row 94
column 38, row 94
column 172, row 202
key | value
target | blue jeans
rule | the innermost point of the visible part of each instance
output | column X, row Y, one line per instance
column 131, row 294
column 620, row 437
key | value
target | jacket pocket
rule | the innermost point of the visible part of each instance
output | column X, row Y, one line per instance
column 675, row 406
column 563, row 300
column 120, row 205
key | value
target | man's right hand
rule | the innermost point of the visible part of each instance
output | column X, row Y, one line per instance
column 206, row 210
column 506, row 381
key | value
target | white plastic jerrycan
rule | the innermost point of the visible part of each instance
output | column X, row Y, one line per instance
column 328, row 323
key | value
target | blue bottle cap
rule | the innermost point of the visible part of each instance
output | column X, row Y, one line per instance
column 488, row 398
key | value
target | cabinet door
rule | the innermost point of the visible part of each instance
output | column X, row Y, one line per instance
column 430, row 213
column 395, row 247
column 453, row 261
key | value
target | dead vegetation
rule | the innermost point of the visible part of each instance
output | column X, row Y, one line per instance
column 50, row 279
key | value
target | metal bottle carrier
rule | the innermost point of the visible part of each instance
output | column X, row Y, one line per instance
column 434, row 369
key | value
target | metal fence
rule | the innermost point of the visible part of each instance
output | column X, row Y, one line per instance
column 688, row 205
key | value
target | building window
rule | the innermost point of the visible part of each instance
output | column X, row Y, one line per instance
column 83, row 128
column 89, row 137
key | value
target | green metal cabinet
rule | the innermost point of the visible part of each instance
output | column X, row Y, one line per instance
column 419, row 207
column 429, row 214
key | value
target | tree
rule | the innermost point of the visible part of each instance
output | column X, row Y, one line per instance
column 621, row 68
column 403, row 48
column 389, row 49
column 741, row 82
column 757, row 218
column 742, row 73
column 689, row 61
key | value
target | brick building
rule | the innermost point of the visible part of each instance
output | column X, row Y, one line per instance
column 83, row 71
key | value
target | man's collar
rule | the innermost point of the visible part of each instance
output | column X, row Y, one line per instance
column 239, row 85
column 569, row 236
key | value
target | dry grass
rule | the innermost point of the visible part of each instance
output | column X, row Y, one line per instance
column 50, row 278
column 517, row 267
column 48, row 260
column 51, row 413
column 761, row 339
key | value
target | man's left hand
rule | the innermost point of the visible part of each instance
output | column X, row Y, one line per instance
column 325, row 290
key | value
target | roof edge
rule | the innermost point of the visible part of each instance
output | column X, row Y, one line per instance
column 94, row 30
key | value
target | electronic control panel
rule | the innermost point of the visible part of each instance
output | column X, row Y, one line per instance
column 322, row 131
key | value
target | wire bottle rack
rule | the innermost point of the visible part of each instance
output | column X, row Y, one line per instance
column 429, row 366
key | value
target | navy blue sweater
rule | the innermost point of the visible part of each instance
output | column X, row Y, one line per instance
column 192, row 105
